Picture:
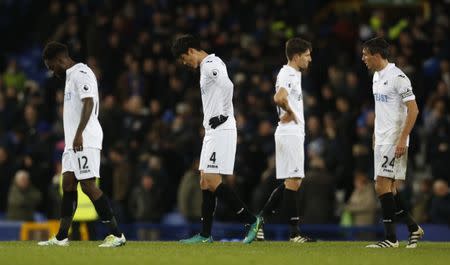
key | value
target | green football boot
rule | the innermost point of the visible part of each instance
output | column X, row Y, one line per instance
column 253, row 231
column 197, row 239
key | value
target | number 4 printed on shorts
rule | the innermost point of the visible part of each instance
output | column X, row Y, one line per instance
column 213, row 157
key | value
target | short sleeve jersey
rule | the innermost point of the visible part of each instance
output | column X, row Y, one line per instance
column 81, row 83
column 391, row 89
column 217, row 92
column 290, row 79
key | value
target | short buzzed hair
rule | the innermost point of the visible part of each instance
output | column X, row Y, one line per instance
column 54, row 49
column 295, row 46
column 182, row 44
column 377, row 45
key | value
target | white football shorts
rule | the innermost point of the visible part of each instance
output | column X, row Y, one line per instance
column 218, row 152
column 289, row 156
column 85, row 164
column 386, row 165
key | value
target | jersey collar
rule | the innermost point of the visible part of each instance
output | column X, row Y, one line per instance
column 206, row 58
column 73, row 68
column 291, row 68
column 389, row 66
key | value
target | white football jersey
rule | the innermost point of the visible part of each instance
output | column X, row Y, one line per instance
column 81, row 83
column 217, row 92
column 391, row 89
column 291, row 80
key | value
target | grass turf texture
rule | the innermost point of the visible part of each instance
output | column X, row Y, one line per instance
column 273, row 253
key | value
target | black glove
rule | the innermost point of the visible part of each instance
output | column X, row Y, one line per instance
column 214, row 122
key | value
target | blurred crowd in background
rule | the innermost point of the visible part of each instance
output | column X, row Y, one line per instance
column 151, row 107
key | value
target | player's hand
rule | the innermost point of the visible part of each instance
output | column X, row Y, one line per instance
column 288, row 117
column 77, row 143
column 400, row 149
column 214, row 122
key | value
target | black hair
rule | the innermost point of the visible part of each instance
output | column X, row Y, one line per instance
column 182, row 44
column 377, row 45
column 295, row 46
column 54, row 49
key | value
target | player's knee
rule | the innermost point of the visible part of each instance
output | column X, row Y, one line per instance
column 292, row 184
column 381, row 188
column 87, row 187
column 211, row 181
column 203, row 184
column 69, row 185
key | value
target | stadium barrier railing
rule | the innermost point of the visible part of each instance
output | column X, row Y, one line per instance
column 221, row 231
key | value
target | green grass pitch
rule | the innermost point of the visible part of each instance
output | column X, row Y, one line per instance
column 173, row 253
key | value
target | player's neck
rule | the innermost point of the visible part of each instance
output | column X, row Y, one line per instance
column 201, row 55
column 383, row 65
column 69, row 63
column 293, row 65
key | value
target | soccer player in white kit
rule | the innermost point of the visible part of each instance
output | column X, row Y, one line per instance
column 290, row 135
column 83, row 142
column 395, row 115
column 219, row 143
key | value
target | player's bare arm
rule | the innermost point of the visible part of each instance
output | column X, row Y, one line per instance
column 411, row 117
column 281, row 99
column 88, row 105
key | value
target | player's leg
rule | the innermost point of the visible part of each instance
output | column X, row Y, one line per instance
column 289, row 205
column 208, row 207
column 226, row 194
column 208, row 198
column 384, row 172
column 383, row 187
column 103, row 208
column 269, row 208
column 272, row 202
column 401, row 213
column 89, row 170
column 68, row 203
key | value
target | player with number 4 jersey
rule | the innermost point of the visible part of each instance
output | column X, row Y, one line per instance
column 219, row 143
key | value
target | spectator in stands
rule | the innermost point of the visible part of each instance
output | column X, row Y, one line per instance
column 316, row 198
column 23, row 198
column 145, row 201
column 121, row 175
column 5, row 176
column 14, row 77
column 422, row 201
column 362, row 204
column 439, row 149
column 440, row 204
column 189, row 195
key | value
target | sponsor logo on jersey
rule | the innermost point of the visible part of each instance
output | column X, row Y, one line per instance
column 380, row 97
column 81, row 71
column 85, row 88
